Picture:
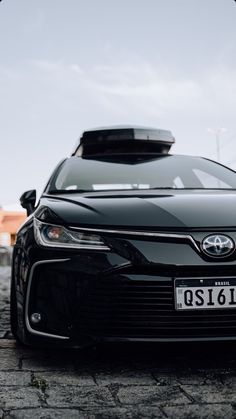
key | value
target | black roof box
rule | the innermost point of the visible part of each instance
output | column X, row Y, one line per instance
column 123, row 139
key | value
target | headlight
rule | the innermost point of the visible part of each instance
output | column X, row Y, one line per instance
column 50, row 235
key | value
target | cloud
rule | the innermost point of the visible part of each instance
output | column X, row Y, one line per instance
column 149, row 89
column 34, row 22
column 136, row 90
column 46, row 104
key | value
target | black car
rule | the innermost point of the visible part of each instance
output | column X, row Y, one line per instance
column 127, row 243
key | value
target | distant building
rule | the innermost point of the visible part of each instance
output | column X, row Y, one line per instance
column 10, row 221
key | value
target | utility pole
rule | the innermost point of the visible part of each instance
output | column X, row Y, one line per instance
column 217, row 132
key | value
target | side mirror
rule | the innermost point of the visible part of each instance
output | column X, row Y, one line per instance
column 28, row 200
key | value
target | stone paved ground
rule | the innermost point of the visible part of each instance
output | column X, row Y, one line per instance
column 138, row 381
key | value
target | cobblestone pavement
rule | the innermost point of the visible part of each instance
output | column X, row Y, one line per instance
column 135, row 381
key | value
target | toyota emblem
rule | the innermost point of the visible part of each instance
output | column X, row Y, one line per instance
column 218, row 245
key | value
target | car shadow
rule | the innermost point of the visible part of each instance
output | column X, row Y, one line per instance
column 171, row 357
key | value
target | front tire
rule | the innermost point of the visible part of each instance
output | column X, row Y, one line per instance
column 18, row 331
column 13, row 311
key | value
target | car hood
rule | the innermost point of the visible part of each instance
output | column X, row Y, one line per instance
column 181, row 209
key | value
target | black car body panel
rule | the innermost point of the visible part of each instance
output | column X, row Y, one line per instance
column 178, row 210
column 125, row 254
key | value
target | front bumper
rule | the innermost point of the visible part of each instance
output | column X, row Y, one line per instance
column 80, row 301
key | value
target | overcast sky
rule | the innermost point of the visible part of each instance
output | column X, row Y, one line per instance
column 69, row 65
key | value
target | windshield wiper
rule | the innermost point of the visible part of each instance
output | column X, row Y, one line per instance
column 193, row 189
column 67, row 191
column 163, row 187
column 78, row 191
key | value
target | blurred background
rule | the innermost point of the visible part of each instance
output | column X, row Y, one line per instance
column 66, row 66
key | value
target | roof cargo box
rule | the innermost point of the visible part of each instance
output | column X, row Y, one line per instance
column 123, row 139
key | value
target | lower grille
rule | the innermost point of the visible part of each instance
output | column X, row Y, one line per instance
column 121, row 305
column 129, row 308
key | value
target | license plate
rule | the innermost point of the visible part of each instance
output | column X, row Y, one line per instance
column 198, row 294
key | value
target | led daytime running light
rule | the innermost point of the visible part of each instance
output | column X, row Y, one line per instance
column 50, row 235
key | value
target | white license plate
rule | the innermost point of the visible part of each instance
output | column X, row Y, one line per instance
column 198, row 294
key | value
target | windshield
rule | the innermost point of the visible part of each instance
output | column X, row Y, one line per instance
column 78, row 174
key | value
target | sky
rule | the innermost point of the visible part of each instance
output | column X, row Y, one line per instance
column 67, row 66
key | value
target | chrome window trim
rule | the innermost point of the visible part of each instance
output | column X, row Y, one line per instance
column 141, row 234
column 28, row 326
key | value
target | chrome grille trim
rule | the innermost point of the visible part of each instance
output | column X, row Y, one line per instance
column 141, row 234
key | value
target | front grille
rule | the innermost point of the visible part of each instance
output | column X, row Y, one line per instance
column 130, row 308
column 124, row 305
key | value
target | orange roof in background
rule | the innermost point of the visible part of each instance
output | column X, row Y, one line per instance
column 10, row 221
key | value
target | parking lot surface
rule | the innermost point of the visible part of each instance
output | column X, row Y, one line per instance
column 129, row 381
